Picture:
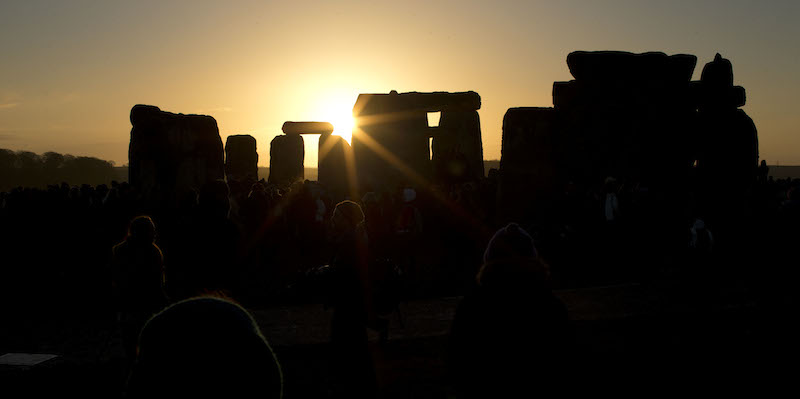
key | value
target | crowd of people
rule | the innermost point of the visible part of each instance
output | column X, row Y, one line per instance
column 104, row 250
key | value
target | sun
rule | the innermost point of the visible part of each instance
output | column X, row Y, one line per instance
column 338, row 110
column 343, row 126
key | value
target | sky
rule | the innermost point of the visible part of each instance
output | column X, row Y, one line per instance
column 72, row 70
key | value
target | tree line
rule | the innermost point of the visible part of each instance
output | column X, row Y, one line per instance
column 28, row 169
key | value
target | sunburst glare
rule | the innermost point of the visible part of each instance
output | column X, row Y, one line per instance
column 337, row 108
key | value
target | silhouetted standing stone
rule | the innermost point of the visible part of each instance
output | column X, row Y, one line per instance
column 730, row 141
column 172, row 153
column 638, row 118
column 457, row 150
column 334, row 155
column 529, row 163
column 631, row 116
column 241, row 158
column 717, row 74
column 286, row 155
column 307, row 128
column 391, row 146
column 727, row 160
column 610, row 66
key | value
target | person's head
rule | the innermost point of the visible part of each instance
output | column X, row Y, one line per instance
column 610, row 184
column 142, row 230
column 511, row 259
column 204, row 346
column 409, row 195
column 510, row 242
column 346, row 217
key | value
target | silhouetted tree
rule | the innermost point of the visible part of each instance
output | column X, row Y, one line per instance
column 28, row 169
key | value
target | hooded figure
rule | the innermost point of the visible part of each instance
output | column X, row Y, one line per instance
column 511, row 329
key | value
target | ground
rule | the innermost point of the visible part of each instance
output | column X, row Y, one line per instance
column 627, row 321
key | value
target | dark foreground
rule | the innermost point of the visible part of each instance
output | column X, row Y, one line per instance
column 672, row 333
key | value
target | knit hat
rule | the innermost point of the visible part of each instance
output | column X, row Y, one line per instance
column 510, row 242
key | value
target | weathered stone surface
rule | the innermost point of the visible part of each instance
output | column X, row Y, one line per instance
column 286, row 155
column 715, row 90
column 607, row 66
column 624, row 94
column 529, row 138
column 639, row 119
column 170, row 153
column 729, row 138
column 335, row 158
column 440, row 100
column 729, row 144
column 529, row 163
column 307, row 128
column 241, row 158
column 717, row 73
column 704, row 96
column 727, row 156
column 457, row 150
column 391, row 146
column 627, row 115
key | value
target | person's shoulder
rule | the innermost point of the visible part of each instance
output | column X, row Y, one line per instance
column 156, row 250
column 119, row 248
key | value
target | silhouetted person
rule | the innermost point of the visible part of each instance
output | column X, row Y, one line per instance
column 700, row 238
column 351, row 360
column 204, row 347
column 408, row 234
column 409, row 221
column 610, row 200
column 511, row 334
column 378, row 230
column 209, row 257
column 763, row 171
column 138, row 280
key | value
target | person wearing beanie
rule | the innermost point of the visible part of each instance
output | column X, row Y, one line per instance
column 511, row 330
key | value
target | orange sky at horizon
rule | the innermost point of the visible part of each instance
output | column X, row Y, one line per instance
column 73, row 70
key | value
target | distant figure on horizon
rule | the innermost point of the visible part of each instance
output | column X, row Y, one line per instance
column 137, row 280
column 204, row 347
column 763, row 172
